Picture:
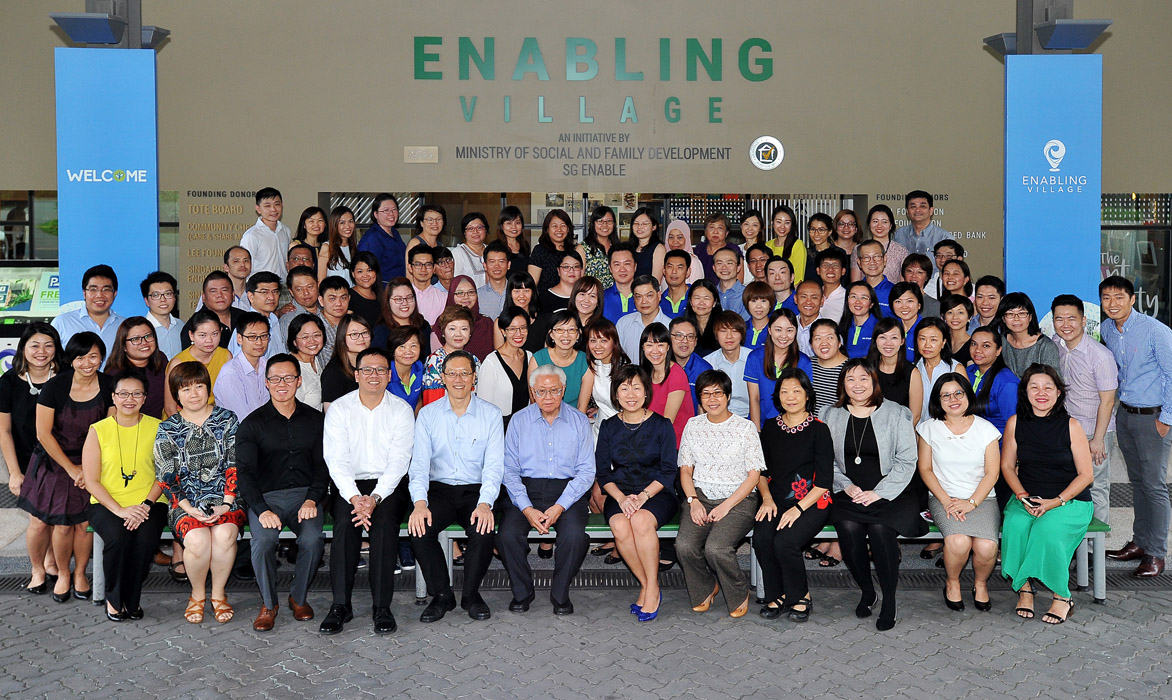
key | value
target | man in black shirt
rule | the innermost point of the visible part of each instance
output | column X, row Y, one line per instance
column 283, row 479
column 217, row 298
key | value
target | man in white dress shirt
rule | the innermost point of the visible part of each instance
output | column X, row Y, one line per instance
column 268, row 239
column 367, row 446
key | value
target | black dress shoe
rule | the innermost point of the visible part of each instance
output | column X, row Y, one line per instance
column 521, row 605
column 336, row 619
column 116, row 617
column 291, row 551
column 1149, row 567
column 458, row 561
column 135, row 614
column 544, row 553
column 384, row 621
column 957, row 605
column 83, row 595
column 437, row 608
column 983, row 606
column 477, row 608
column 770, row 613
column 40, row 589
column 1128, row 552
column 566, row 608
column 61, row 597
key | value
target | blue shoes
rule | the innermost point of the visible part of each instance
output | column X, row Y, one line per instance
column 635, row 609
column 649, row 616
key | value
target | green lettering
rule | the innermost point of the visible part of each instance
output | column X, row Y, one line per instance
column 764, row 64
column 541, row 117
column 629, row 114
column 714, row 110
column 508, row 109
column 485, row 62
column 671, row 110
column 580, row 51
column 530, row 60
column 620, row 62
column 423, row 57
column 467, row 108
column 583, row 118
column 713, row 62
column 665, row 59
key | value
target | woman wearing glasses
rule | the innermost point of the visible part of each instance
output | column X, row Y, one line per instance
column 1025, row 343
column 469, row 255
column 401, row 309
column 119, row 465
column 569, row 272
column 136, row 349
column 503, row 379
column 433, row 218
column 601, row 234
column 819, row 229
column 557, row 238
column 561, row 350
column 305, row 342
column 337, row 379
column 462, row 293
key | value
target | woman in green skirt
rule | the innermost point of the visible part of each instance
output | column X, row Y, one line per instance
column 1046, row 460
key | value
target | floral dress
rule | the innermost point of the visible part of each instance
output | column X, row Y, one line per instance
column 198, row 462
column 597, row 266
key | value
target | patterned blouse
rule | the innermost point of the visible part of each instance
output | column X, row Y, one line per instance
column 432, row 369
column 597, row 266
column 721, row 454
column 197, row 462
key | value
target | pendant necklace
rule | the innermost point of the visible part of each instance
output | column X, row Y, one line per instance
column 122, row 460
column 35, row 390
column 859, row 442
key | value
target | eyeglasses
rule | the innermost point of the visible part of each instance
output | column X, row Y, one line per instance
column 563, row 331
column 283, row 379
column 958, row 394
column 422, row 265
column 392, row 210
column 358, row 335
column 818, row 229
column 1019, row 315
column 458, row 374
column 433, row 220
column 130, row 394
column 155, row 296
column 567, row 268
column 256, row 338
column 372, row 371
column 310, row 336
column 684, row 336
column 641, row 224
column 542, row 393
column 516, row 331
column 846, row 224
column 446, row 262
column 713, row 394
column 267, row 292
column 465, row 294
column 402, row 300
column 604, row 222
column 871, row 258
column 99, row 290
column 140, row 339
column 477, row 227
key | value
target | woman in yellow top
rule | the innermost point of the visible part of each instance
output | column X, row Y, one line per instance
column 204, row 349
column 786, row 243
column 119, row 466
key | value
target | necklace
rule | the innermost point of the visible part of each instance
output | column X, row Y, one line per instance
column 35, row 390
column 122, row 460
column 637, row 425
column 859, row 442
column 797, row 428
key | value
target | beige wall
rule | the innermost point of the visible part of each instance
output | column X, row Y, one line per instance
column 867, row 97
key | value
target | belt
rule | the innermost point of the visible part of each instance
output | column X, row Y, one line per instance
column 1145, row 411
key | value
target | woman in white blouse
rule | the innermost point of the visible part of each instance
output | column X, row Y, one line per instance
column 959, row 461
column 720, row 461
column 503, row 377
column 306, row 338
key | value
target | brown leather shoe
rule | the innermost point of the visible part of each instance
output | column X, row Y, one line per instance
column 301, row 613
column 1128, row 552
column 1149, row 567
column 265, row 618
column 162, row 558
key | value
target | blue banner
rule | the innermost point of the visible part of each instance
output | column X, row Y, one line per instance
column 107, row 168
column 1053, row 176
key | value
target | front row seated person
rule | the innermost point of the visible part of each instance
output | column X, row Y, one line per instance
column 455, row 477
column 283, row 480
column 367, row 447
column 548, row 471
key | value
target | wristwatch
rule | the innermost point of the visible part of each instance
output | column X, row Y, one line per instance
column 972, row 503
column 377, row 499
column 690, row 499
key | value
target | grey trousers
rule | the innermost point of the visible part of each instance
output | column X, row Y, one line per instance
column 708, row 554
column 1146, row 456
column 310, row 544
column 1101, row 488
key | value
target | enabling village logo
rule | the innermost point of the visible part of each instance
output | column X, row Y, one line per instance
column 1054, row 151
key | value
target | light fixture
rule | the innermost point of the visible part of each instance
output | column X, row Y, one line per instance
column 1004, row 44
column 91, row 27
column 1070, row 34
column 152, row 36
column 110, row 23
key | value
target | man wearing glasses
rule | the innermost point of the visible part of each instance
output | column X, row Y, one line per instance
column 99, row 286
column 283, row 480
column 367, row 446
column 455, row 477
column 241, row 382
column 548, row 470
column 159, row 292
column 429, row 298
column 264, row 292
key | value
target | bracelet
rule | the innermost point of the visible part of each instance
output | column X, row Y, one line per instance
column 1064, row 501
column 799, row 507
column 644, row 492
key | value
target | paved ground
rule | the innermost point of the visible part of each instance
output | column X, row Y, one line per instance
column 1116, row 650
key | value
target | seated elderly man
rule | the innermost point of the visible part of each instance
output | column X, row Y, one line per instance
column 549, row 468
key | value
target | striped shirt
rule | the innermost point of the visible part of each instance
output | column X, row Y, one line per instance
column 1143, row 353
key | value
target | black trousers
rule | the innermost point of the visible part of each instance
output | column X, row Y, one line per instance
column 783, row 569
column 572, row 541
column 126, row 554
column 448, row 505
column 384, row 545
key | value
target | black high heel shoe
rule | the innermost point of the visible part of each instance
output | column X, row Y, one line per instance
column 984, row 606
column 957, row 605
column 62, row 597
column 40, row 589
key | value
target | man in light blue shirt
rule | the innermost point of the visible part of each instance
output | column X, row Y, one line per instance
column 684, row 338
column 922, row 234
column 1142, row 347
column 99, row 287
column 455, row 477
column 726, row 263
column 240, row 386
column 160, row 291
column 549, row 468
column 645, row 291
column 264, row 292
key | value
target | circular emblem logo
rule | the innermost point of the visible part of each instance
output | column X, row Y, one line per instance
column 119, row 175
column 766, row 153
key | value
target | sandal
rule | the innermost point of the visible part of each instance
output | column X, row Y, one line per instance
column 803, row 614
column 177, row 576
column 1054, row 619
column 811, row 553
column 1023, row 612
column 828, row 561
column 222, row 611
column 194, row 611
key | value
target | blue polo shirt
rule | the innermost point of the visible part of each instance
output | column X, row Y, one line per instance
column 616, row 305
column 883, row 291
column 755, row 374
column 693, row 368
column 673, row 310
column 410, row 388
column 858, row 338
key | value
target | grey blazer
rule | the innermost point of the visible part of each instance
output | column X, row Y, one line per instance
column 897, row 446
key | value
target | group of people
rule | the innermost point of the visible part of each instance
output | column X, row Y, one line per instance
column 770, row 388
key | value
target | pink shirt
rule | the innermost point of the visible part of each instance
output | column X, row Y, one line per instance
column 676, row 380
column 431, row 301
